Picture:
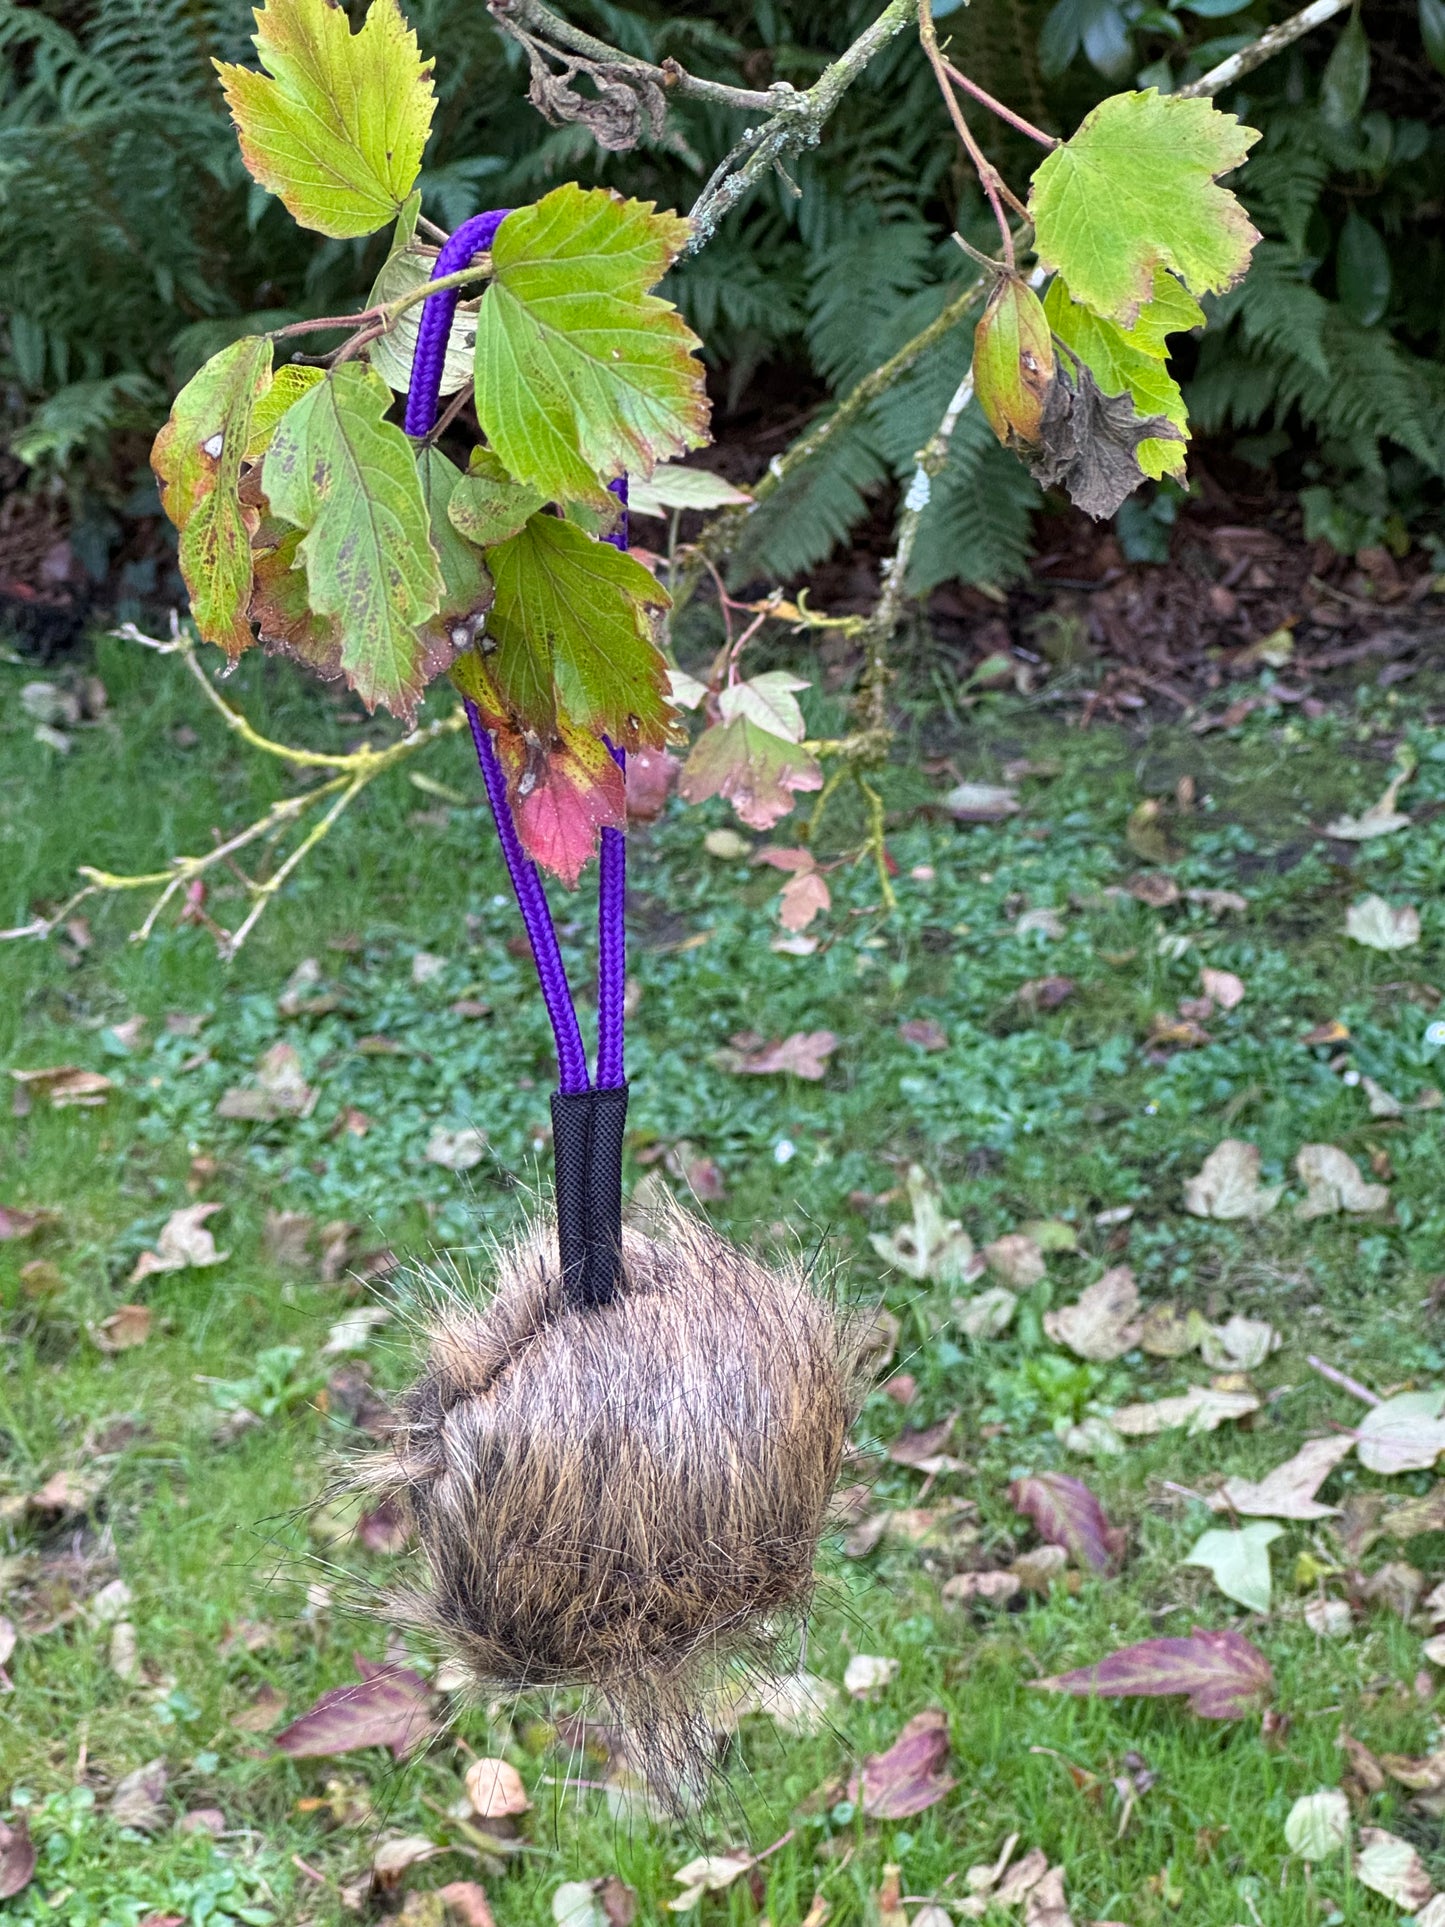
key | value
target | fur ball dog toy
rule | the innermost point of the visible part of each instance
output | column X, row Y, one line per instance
column 618, row 1460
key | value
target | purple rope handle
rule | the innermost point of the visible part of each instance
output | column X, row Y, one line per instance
column 612, row 900
column 473, row 237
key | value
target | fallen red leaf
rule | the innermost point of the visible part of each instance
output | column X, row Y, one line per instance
column 388, row 1708
column 17, row 1858
column 1066, row 1513
column 24, row 1224
column 906, row 1779
column 1223, row 1674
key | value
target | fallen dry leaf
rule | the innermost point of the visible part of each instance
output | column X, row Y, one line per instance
column 1045, row 1905
column 1329, row 1618
column 867, row 1674
column 986, row 1314
column 1066, row 1513
column 994, row 1588
column 1016, row 1260
column 352, row 1333
column 495, row 1790
column 266, row 1710
column 932, row 1246
column 1167, row 1332
column 280, row 1090
column 923, row 1032
column 923, row 1448
column 1397, row 1585
column 1223, row 1675
column 24, row 1224
column 710, row 1874
column 1222, row 987
column 1388, row 1865
column 798, row 1702
column 1240, row 1345
column 383, row 1529
column 139, row 1799
column 1104, row 1323
column 123, row 1652
column 1287, row 1492
column 981, row 803
column 805, row 1054
column 1382, row 818
column 1201, row 1409
column 68, row 1493
column 1414, row 1516
column 802, row 898
column 65, row 1085
column 1228, row 1186
column 888, row 1906
column 1040, row 1569
column 184, row 1241
column 1374, row 923
column 17, row 1858
column 459, row 1150
column 387, row 1708
column 466, row 1904
column 123, row 1329
column 1403, row 1434
column 906, row 1779
column 1318, row 1824
column 1333, row 1183
column 1021, row 1878
column 286, row 1239
column 392, row 1858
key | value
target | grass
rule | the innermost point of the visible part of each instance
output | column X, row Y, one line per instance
column 1023, row 1116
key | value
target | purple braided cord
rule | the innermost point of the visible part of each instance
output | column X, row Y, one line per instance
column 612, row 901
column 471, row 238
column 532, row 902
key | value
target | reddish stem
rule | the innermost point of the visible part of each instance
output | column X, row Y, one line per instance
column 986, row 99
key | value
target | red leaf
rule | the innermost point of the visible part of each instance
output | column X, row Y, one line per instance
column 906, row 1779
column 17, row 1858
column 388, row 1708
column 1067, row 1514
column 754, row 771
column 780, row 858
column 563, row 797
column 651, row 774
column 1223, row 1674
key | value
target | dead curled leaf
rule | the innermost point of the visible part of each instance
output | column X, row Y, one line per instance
column 1288, row 1492
column 184, row 1241
column 1228, row 1186
column 1103, row 1324
column 64, row 1085
column 1222, row 1673
column 1066, row 1513
column 1333, row 1182
column 1390, row 1866
column 907, row 1778
column 139, row 1799
column 1201, row 1409
column 279, row 1090
column 123, row 1329
column 387, row 1708
column 805, row 1054
column 495, row 1790
column 17, row 1858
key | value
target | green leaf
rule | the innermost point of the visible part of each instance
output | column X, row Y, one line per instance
column 1432, row 32
column 1135, row 189
column 1239, row 1561
column 1133, row 360
column 487, row 504
column 1345, row 83
column 467, row 592
column 581, row 373
column 1362, row 271
column 197, row 459
column 407, row 267
column 289, row 385
column 338, row 131
column 1013, row 361
column 577, row 610
column 338, row 470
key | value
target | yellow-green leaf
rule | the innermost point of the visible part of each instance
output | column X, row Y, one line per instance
column 289, row 384
column 581, row 373
column 487, row 504
column 338, row 129
column 1013, row 361
column 1133, row 190
column 340, row 471
column 1134, row 360
column 572, row 619
column 197, row 459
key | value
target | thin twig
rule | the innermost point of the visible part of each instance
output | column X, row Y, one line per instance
column 986, row 99
column 991, row 181
column 1272, row 42
column 1344, row 1381
column 535, row 19
column 798, row 125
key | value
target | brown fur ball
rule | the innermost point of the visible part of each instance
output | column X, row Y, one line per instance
column 627, row 1496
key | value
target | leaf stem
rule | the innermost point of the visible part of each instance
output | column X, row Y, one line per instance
column 986, row 99
column 991, row 181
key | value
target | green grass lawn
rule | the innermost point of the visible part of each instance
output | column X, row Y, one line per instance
column 1025, row 1114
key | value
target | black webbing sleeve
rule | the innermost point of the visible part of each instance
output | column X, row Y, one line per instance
column 603, row 1278
column 571, row 1160
column 587, row 1135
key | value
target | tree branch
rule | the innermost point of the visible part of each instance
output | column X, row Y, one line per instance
column 533, row 19
column 1273, row 41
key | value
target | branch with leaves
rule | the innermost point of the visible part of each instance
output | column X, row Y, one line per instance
column 312, row 523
